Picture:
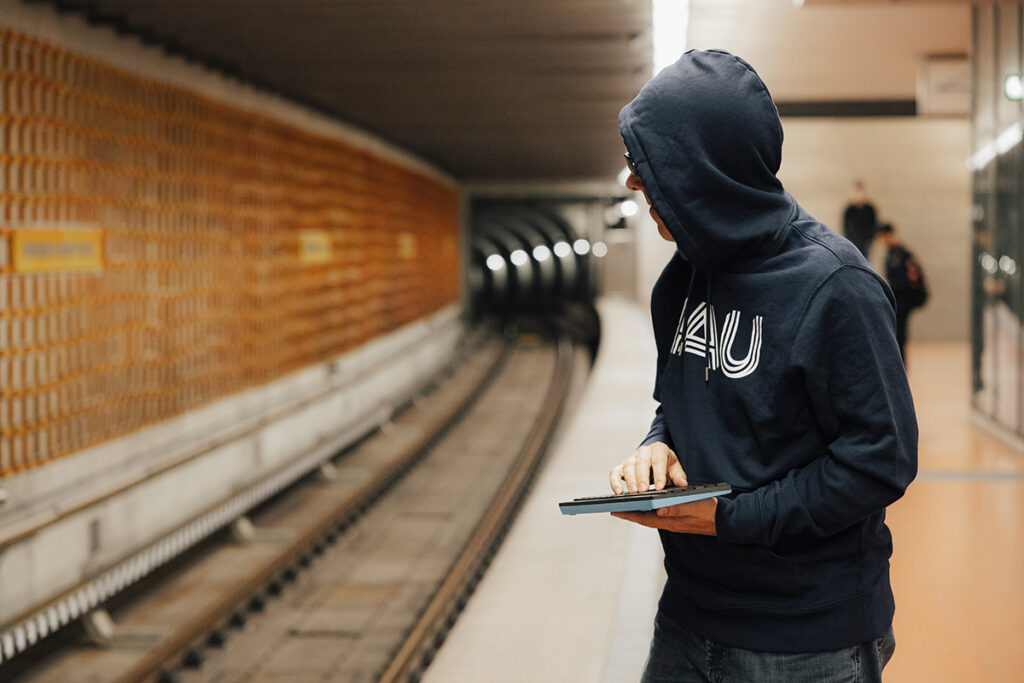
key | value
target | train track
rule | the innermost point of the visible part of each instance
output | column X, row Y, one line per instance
column 358, row 573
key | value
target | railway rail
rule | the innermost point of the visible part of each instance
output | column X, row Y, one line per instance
column 356, row 573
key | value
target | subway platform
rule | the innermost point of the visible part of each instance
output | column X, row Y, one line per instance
column 573, row 598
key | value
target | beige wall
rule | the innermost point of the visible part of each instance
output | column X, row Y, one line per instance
column 916, row 175
column 915, row 171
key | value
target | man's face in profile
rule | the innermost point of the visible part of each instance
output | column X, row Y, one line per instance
column 633, row 182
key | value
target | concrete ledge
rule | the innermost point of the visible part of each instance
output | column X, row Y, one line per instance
column 66, row 521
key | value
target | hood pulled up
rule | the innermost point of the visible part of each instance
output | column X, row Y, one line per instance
column 706, row 139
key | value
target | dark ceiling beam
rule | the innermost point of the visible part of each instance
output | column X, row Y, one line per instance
column 487, row 89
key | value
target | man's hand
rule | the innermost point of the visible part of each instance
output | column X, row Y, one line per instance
column 697, row 517
column 656, row 462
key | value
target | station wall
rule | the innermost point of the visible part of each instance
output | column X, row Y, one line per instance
column 915, row 172
column 211, row 249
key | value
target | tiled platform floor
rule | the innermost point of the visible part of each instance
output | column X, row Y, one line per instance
column 571, row 599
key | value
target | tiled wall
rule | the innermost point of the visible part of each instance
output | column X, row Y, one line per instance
column 222, row 249
column 915, row 173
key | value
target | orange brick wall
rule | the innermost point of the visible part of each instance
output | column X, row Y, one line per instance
column 201, row 208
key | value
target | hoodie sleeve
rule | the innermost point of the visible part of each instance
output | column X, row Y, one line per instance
column 658, row 431
column 846, row 351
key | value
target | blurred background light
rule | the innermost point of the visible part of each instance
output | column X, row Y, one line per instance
column 581, row 247
column 629, row 208
column 562, row 249
column 623, row 175
column 519, row 257
column 1009, row 138
column 541, row 253
column 600, row 249
column 670, row 19
column 1007, row 265
column 495, row 262
column 1013, row 88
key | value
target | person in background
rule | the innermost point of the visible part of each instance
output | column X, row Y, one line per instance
column 906, row 278
column 860, row 219
column 778, row 372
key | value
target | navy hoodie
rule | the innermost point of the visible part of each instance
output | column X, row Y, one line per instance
column 778, row 372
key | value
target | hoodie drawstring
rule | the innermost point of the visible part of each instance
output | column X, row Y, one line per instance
column 707, row 332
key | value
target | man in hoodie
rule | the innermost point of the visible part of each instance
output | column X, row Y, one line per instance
column 779, row 373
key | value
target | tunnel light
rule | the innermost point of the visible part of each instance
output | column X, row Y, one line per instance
column 988, row 262
column 495, row 262
column 519, row 257
column 541, row 253
column 1013, row 88
column 1007, row 265
column 581, row 247
column 600, row 249
column 562, row 249
column 629, row 208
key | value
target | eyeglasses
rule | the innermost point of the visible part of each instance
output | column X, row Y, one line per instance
column 630, row 165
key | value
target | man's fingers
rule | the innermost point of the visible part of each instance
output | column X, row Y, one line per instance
column 659, row 466
column 642, row 470
column 676, row 474
column 615, row 479
column 629, row 473
column 648, row 519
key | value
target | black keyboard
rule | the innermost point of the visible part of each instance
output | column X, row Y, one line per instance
column 644, row 500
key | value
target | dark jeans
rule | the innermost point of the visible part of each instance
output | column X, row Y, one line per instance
column 679, row 656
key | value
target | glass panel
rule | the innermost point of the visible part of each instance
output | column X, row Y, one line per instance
column 983, row 134
column 1006, row 222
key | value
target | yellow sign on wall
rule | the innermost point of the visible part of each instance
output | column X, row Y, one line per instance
column 314, row 246
column 39, row 251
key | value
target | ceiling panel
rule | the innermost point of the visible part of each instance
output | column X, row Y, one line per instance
column 852, row 50
column 486, row 89
column 527, row 90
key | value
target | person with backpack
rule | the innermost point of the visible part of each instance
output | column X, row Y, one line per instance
column 906, row 279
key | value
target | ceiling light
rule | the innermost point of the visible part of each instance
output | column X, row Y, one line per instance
column 669, row 20
column 1013, row 88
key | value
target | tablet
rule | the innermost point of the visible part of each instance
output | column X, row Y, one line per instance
column 645, row 500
